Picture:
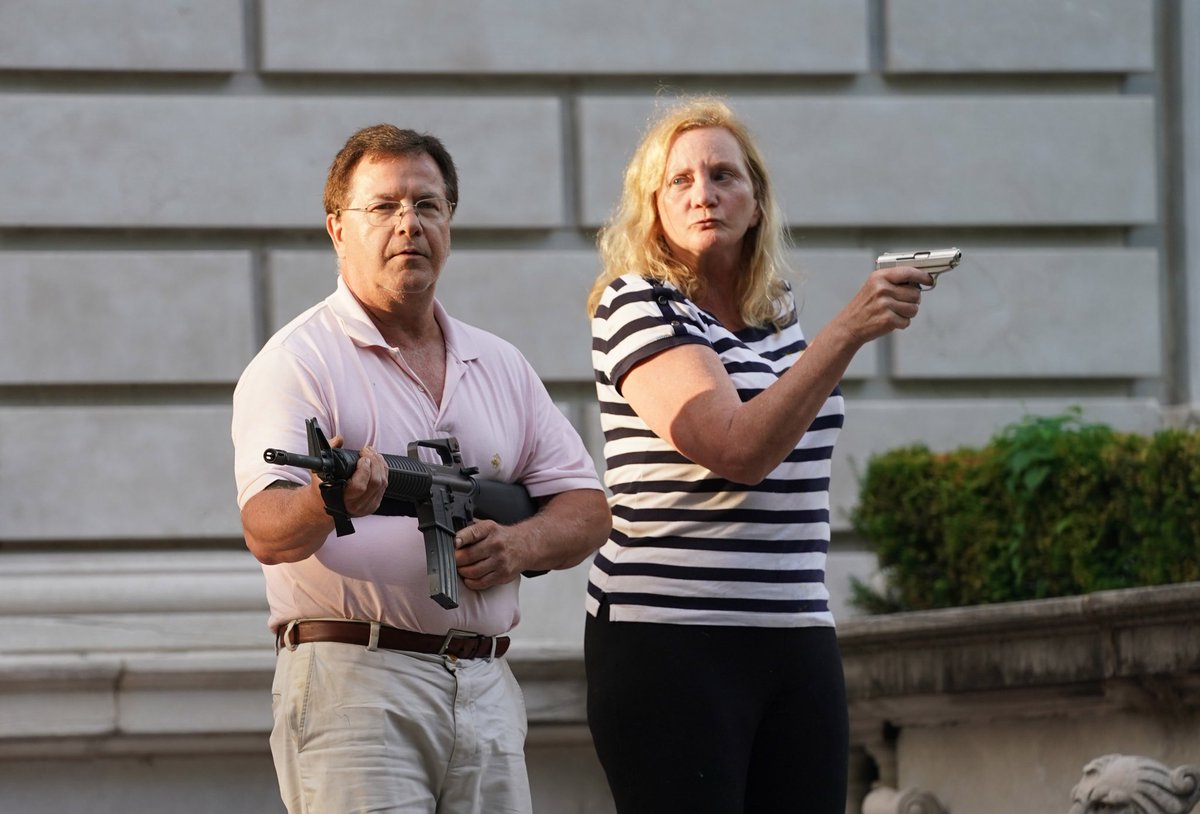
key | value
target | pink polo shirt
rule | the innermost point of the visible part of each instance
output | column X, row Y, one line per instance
column 332, row 363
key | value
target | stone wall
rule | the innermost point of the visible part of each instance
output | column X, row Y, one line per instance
column 162, row 169
column 997, row 708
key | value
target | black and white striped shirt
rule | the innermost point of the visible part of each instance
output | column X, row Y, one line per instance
column 687, row 546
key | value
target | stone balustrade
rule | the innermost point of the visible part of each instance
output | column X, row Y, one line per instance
column 993, row 709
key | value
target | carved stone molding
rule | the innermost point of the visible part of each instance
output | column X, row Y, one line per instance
column 1110, row 651
column 1130, row 784
column 886, row 800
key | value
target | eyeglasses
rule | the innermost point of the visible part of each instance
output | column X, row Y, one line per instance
column 434, row 211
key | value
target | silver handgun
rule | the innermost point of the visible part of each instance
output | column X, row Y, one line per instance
column 934, row 261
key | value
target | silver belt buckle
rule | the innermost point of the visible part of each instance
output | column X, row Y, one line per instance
column 455, row 633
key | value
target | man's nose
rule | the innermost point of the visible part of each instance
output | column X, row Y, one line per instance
column 408, row 221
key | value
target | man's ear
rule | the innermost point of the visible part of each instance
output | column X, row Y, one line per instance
column 333, row 225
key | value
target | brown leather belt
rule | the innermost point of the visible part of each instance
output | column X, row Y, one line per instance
column 461, row 644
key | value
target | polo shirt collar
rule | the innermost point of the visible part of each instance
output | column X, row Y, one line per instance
column 362, row 331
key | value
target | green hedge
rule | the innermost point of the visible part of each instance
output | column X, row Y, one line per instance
column 1049, row 507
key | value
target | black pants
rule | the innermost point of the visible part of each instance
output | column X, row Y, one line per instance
column 718, row 720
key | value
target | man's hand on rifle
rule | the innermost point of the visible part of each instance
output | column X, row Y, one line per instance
column 288, row 523
column 566, row 529
column 489, row 554
column 364, row 490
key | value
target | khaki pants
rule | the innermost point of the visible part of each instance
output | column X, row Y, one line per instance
column 382, row 731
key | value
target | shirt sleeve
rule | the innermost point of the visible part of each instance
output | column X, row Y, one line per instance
column 556, row 458
column 273, row 398
column 636, row 319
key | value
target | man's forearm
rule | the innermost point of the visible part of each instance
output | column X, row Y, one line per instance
column 567, row 528
column 285, row 522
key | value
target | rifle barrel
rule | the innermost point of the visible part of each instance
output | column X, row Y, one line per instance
column 279, row 456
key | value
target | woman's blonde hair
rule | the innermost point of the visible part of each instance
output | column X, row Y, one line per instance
column 632, row 241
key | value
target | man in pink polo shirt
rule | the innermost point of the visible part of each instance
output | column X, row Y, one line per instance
column 381, row 710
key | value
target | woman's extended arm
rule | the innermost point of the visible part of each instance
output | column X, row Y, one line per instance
column 685, row 396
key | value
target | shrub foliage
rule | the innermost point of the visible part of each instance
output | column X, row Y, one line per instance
column 1051, row 506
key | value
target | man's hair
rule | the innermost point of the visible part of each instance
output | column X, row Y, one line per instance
column 384, row 141
column 632, row 241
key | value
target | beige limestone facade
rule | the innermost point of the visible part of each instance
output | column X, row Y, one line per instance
column 160, row 216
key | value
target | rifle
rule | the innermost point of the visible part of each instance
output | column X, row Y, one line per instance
column 443, row 498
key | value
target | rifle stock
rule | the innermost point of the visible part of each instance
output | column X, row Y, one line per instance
column 443, row 498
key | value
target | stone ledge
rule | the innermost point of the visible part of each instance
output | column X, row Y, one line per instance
column 110, row 703
column 1109, row 651
column 1132, row 606
column 134, row 746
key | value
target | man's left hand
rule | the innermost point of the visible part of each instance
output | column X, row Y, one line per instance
column 489, row 554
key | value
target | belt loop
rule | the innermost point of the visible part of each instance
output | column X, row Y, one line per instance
column 373, row 641
column 287, row 636
column 492, row 656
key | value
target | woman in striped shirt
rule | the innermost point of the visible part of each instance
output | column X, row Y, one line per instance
column 714, row 678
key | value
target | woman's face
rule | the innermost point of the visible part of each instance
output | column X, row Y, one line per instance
column 706, row 201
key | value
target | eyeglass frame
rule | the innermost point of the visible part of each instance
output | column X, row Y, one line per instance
column 399, row 214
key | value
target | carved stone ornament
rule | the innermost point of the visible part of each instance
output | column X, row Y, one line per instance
column 886, row 800
column 1128, row 784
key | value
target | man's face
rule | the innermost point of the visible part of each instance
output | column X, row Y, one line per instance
column 398, row 263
